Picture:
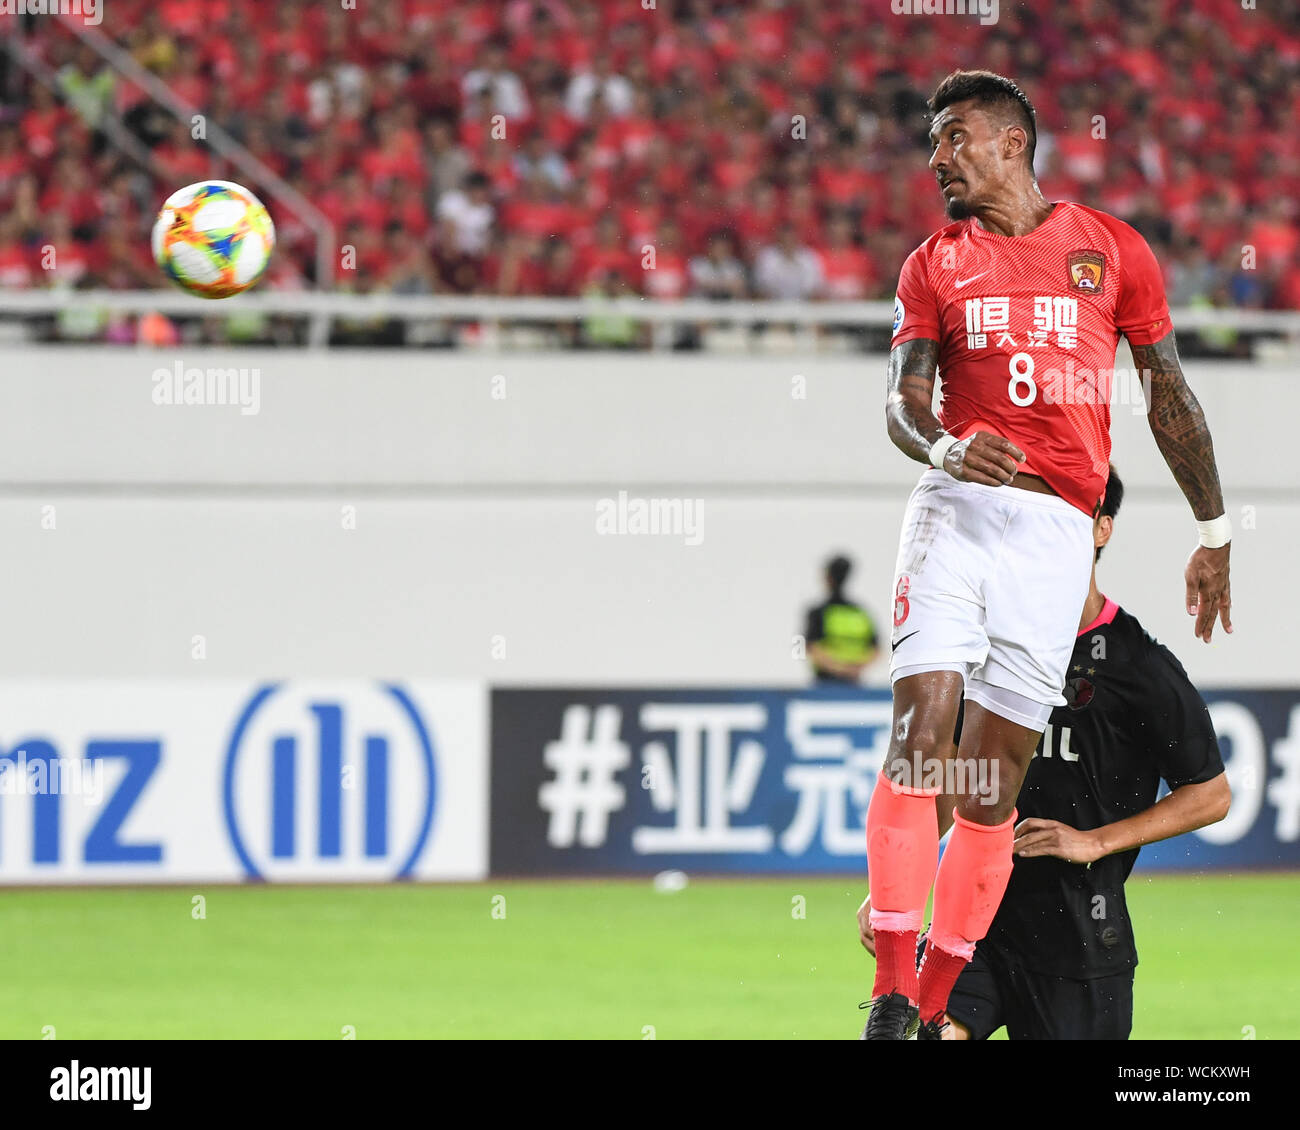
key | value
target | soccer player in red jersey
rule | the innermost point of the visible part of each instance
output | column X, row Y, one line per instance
column 1020, row 304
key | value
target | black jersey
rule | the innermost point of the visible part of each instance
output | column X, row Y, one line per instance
column 1132, row 718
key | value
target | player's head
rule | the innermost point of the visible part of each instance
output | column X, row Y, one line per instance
column 837, row 572
column 983, row 134
column 1103, row 525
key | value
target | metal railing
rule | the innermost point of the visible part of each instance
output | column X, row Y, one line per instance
column 321, row 310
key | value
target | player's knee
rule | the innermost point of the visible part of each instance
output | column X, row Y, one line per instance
column 917, row 746
column 987, row 809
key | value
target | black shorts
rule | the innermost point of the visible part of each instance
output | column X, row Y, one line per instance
column 994, row 990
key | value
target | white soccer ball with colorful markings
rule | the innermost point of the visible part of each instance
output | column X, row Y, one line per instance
column 213, row 238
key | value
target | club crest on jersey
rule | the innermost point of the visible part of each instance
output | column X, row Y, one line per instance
column 1078, row 693
column 1087, row 271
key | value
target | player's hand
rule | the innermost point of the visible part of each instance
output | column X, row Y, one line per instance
column 1051, row 837
column 983, row 458
column 1208, row 594
column 866, row 935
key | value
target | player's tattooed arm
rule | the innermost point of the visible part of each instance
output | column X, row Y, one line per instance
column 909, row 401
column 1183, row 437
column 1179, row 426
column 913, row 426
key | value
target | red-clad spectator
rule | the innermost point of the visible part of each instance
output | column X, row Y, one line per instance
column 432, row 87
column 126, row 263
column 553, row 121
column 13, row 161
column 480, row 126
column 396, row 156
column 405, row 206
column 42, row 124
column 1081, row 150
column 739, row 165
column 71, row 192
column 1275, row 237
column 1138, row 56
column 562, row 273
column 15, row 259
column 1182, row 194
column 637, row 129
column 458, row 271
column 759, row 216
column 592, row 182
column 324, row 159
column 803, row 213
column 523, row 265
column 701, row 210
column 350, row 202
column 187, row 77
column 63, row 259
column 767, row 27
column 664, row 271
column 608, row 254
column 540, row 212
column 847, row 269
column 843, row 181
column 643, row 216
column 186, row 18
column 812, row 58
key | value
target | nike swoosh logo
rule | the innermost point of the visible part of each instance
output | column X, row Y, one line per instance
column 894, row 646
column 962, row 282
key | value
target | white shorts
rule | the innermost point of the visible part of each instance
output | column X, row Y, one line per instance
column 990, row 582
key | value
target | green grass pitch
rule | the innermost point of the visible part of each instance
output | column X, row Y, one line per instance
column 586, row 959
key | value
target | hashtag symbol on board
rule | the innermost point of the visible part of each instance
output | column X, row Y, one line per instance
column 585, row 763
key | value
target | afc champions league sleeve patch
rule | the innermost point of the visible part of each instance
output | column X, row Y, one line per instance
column 899, row 313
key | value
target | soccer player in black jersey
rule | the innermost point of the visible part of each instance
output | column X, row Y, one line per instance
column 1058, row 961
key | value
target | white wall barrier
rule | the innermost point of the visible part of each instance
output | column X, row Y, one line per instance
column 458, row 515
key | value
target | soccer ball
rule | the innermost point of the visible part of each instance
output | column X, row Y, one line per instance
column 213, row 238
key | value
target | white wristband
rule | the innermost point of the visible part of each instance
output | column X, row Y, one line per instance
column 939, row 449
column 1216, row 532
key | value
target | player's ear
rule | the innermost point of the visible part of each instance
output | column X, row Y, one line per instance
column 1102, row 529
column 1013, row 141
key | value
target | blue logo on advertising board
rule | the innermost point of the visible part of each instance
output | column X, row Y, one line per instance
column 321, row 785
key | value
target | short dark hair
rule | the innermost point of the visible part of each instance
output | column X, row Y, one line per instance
column 1110, row 502
column 991, row 90
column 838, row 570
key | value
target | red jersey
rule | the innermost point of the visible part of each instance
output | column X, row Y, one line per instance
column 1027, row 328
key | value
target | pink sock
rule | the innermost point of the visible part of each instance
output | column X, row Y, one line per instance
column 902, row 852
column 971, row 882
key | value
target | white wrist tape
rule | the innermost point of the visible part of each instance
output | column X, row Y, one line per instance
column 939, row 449
column 1216, row 532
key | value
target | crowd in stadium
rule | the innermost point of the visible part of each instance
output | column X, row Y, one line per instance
column 773, row 148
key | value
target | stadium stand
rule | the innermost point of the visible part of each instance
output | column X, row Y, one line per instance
column 536, row 147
